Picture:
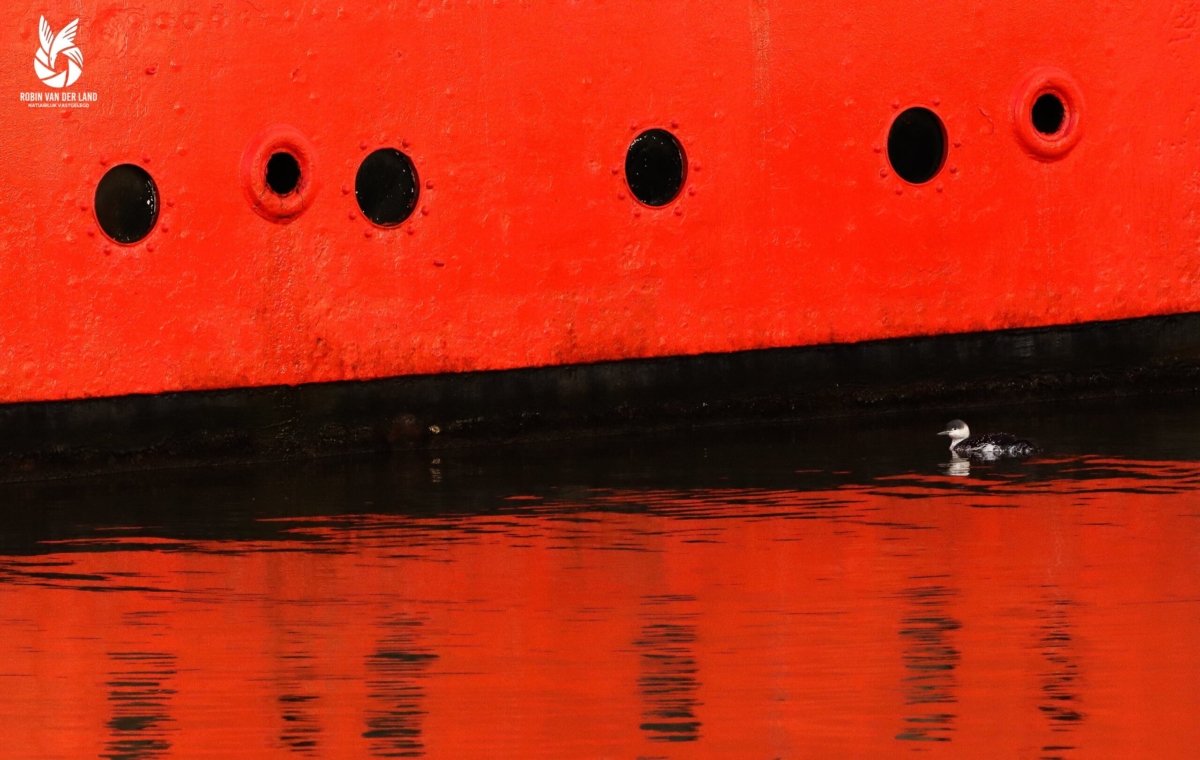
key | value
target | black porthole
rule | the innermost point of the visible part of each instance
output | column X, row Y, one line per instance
column 386, row 187
column 1048, row 113
column 283, row 173
column 655, row 167
column 126, row 203
column 917, row 145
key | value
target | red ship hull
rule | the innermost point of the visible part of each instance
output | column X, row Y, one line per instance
column 525, row 244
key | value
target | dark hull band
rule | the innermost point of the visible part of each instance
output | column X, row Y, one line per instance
column 1153, row 354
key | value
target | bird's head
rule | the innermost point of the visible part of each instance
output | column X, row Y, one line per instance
column 957, row 430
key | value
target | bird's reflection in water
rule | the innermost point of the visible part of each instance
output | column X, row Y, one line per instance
column 959, row 467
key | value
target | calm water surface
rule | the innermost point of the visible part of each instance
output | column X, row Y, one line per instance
column 786, row 591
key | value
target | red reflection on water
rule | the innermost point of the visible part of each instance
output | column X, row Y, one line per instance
column 998, row 620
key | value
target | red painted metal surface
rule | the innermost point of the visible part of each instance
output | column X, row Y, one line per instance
column 526, row 248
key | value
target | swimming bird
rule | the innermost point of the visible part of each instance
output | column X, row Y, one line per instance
column 988, row 445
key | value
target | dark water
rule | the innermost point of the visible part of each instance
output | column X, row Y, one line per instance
column 803, row 590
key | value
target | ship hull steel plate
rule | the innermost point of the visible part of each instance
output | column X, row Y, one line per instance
column 202, row 198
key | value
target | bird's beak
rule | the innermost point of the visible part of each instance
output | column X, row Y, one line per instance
column 944, row 432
